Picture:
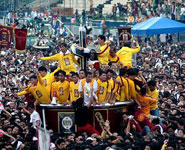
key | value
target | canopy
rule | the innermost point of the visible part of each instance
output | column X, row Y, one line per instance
column 158, row 25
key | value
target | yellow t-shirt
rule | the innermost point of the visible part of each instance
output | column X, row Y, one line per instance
column 114, row 88
column 123, row 92
column 115, row 59
column 125, row 55
column 74, row 93
column 145, row 102
column 39, row 92
column 49, row 79
column 131, row 89
column 103, row 89
column 103, row 54
column 66, row 61
column 155, row 95
column 62, row 91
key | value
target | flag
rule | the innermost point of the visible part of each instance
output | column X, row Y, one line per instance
column 44, row 139
column 6, row 33
column 20, row 39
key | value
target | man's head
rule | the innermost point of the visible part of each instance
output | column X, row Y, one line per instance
column 122, row 72
column 61, row 75
column 75, row 77
column 60, row 144
column 180, row 88
column 152, row 85
column 104, row 67
column 78, row 103
column 33, row 80
column 43, row 71
column 143, row 91
column 63, row 47
column 31, row 108
column 125, row 116
column 113, row 66
column 131, row 73
column 15, row 130
column 109, row 73
column 70, row 75
column 101, row 39
column 112, row 49
column 82, row 74
column 56, row 76
column 103, row 76
column 89, row 76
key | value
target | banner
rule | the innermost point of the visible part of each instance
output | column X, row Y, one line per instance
column 6, row 33
column 124, row 36
column 44, row 139
column 20, row 39
column 66, row 122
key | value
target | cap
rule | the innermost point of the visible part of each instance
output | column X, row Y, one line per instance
column 9, row 103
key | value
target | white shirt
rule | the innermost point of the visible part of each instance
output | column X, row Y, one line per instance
column 87, row 91
column 34, row 117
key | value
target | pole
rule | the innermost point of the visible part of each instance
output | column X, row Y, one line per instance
column 44, row 118
column 85, row 5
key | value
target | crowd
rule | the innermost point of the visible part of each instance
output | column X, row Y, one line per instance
column 139, row 10
column 160, row 66
column 155, row 86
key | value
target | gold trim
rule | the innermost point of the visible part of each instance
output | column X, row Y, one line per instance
column 59, row 118
column 20, row 51
column 58, row 110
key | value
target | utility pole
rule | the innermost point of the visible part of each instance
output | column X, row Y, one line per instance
column 85, row 5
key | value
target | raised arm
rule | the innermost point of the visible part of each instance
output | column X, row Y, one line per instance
column 91, row 98
column 40, row 79
column 137, row 49
column 26, row 91
column 52, row 58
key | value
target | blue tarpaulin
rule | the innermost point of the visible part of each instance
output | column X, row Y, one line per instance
column 158, row 25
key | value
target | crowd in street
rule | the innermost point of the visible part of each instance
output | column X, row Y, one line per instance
column 163, row 62
column 154, row 84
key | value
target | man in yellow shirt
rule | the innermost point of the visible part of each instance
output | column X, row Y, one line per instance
column 48, row 79
column 104, row 88
column 131, row 85
column 123, row 93
column 125, row 55
column 74, row 93
column 38, row 90
column 103, row 51
column 61, row 88
column 145, row 101
column 153, row 92
column 112, row 55
column 111, row 78
column 66, row 59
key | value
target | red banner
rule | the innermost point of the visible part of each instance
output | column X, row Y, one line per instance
column 20, row 39
column 6, row 33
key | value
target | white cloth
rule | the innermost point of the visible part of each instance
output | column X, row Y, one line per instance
column 182, row 11
column 87, row 91
column 1, row 107
column 163, row 38
column 34, row 117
